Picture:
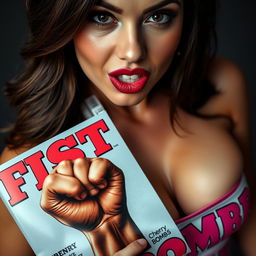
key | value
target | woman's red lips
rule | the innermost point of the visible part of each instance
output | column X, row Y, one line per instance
column 129, row 80
column 129, row 72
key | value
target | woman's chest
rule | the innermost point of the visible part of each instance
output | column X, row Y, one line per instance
column 190, row 169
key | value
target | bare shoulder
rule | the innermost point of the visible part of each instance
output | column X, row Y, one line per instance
column 232, row 100
column 8, row 153
column 230, row 82
column 223, row 72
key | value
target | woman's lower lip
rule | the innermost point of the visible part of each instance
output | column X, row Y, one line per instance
column 129, row 88
column 133, row 87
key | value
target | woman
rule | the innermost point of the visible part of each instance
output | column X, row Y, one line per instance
column 152, row 65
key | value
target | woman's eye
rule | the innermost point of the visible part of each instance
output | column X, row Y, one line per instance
column 161, row 18
column 103, row 19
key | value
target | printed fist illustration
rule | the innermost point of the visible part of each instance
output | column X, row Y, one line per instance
column 84, row 193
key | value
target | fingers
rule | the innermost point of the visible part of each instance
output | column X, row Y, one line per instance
column 81, row 167
column 62, row 182
column 55, row 185
column 92, row 173
column 65, row 168
column 98, row 172
column 133, row 249
column 78, row 169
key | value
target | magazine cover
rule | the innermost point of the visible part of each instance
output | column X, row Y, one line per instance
column 94, row 211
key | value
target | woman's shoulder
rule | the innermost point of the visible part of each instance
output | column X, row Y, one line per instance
column 230, row 83
column 9, row 153
column 232, row 100
column 223, row 68
column 224, row 72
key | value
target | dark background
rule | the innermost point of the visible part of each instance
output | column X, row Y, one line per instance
column 236, row 31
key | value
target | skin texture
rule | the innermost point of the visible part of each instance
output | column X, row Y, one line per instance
column 208, row 159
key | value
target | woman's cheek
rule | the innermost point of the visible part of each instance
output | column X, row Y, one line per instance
column 92, row 49
column 163, row 50
column 164, row 45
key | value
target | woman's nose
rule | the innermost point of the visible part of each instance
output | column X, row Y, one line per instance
column 130, row 45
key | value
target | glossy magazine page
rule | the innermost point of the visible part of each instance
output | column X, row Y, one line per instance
column 124, row 207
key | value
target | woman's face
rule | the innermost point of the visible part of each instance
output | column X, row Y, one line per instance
column 126, row 46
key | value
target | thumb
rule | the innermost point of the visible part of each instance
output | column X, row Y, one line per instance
column 133, row 249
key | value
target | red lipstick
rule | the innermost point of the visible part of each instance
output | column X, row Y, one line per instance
column 129, row 80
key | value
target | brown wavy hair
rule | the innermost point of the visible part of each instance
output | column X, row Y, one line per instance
column 49, row 92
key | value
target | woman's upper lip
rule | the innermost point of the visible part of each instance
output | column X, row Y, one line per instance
column 129, row 72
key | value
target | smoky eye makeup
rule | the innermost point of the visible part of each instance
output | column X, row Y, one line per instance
column 102, row 18
column 161, row 18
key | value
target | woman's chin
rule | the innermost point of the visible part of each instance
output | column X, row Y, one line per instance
column 126, row 100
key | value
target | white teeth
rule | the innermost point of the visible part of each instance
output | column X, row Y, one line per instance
column 129, row 79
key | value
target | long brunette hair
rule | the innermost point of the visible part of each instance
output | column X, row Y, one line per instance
column 48, row 94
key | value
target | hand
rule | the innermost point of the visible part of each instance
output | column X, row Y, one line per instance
column 133, row 249
column 84, row 193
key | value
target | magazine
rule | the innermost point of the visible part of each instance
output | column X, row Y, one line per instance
column 124, row 206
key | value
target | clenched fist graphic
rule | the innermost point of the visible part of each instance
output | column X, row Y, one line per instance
column 89, row 194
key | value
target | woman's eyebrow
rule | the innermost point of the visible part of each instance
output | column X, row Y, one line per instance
column 152, row 8
column 161, row 4
column 109, row 6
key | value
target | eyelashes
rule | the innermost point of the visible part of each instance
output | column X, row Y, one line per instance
column 103, row 18
column 160, row 18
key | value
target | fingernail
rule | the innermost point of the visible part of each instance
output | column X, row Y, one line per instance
column 83, row 195
column 94, row 191
column 143, row 242
column 102, row 185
